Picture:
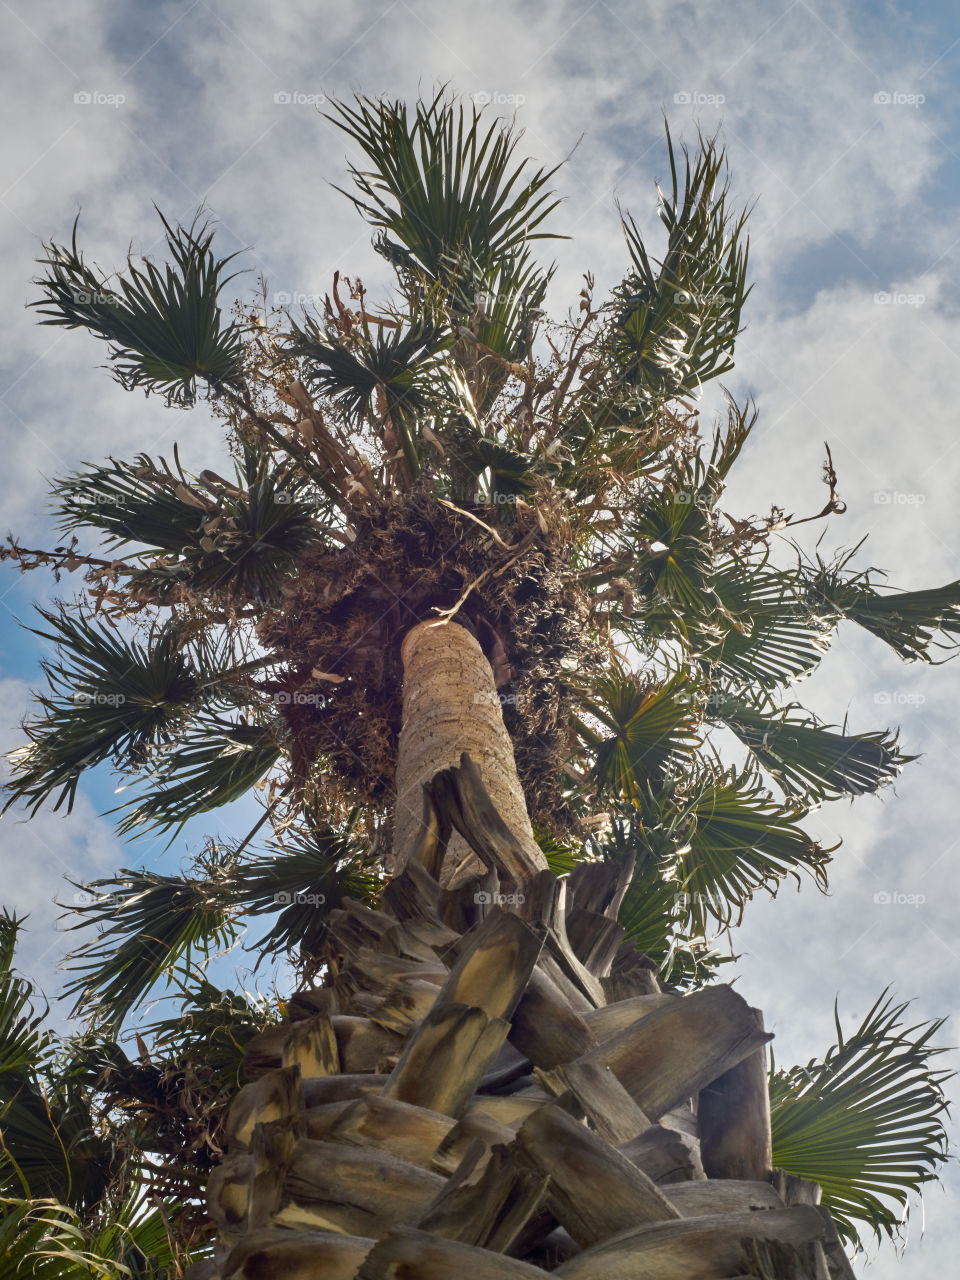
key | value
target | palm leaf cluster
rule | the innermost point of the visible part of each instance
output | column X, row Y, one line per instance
column 866, row 1119
column 149, row 925
column 571, row 454
column 164, row 327
column 74, row 1205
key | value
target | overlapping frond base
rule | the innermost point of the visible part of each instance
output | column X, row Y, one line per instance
column 492, row 1083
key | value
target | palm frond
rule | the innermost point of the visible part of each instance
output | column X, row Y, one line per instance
column 508, row 473
column 866, row 1121
column 738, row 840
column 653, row 916
column 25, row 1046
column 110, row 699
column 211, row 1025
column 136, row 1239
column 216, row 762
column 562, row 857
column 503, row 299
column 649, row 723
column 769, row 635
column 203, row 534
column 41, row 1239
column 48, row 1142
column 391, row 375
column 674, row 562
column 670, row 539
column 442, row 191
column 146, row 923
column 654, row 913
column 907, row 621
column 675, row 321
column 810, row 761
column 300, row 881
column 164, row 327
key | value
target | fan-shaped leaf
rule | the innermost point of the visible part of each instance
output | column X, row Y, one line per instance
column 164, row 327
column 866, row 1121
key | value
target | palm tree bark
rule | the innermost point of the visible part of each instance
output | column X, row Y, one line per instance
column 451, row 706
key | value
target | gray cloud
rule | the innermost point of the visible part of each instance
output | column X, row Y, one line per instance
column 848, row 208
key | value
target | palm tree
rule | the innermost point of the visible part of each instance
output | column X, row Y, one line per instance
column 468, row 616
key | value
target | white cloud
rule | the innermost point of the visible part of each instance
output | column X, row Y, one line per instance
column 844, row 213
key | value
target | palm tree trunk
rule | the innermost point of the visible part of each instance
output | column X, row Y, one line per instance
column 451, row 705
column 391, row 1128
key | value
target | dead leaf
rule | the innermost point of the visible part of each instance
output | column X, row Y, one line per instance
column 327, row 675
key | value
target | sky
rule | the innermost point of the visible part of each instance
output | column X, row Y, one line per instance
column 839, row 121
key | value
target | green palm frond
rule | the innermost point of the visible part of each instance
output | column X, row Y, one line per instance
column 503, row 299
column 47, row 1143
column 211, row 1025
column 205, row 534
column 907, row 621
column 300, row 882
column 653, row 916
column 810, row 761
column 561, row 855
column 508, row 473
column 676, row 320
column 110, row 699
column 50, row 1144
column 136, row 1239
column 738, row 840
column 866, row 1121
column 215, row 762
column 674, row 565
column 403, row 364
column 670, row 540
column 164, row 327
column 654, row 912
column 444, row 193
column 41, row 1239
column 402, row 361
column 768, row 634
column 24, row 1044
column 650, row 724
column 146, row 924
column 149, row 925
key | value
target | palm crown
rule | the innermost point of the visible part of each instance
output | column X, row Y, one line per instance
column 454, row 453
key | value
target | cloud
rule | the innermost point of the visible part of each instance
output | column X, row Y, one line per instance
column 849, row 207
